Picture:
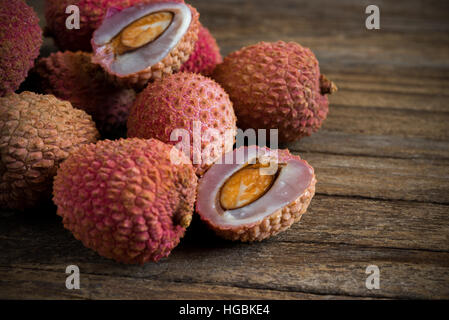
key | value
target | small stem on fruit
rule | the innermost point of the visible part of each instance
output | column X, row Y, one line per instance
column 327, row 86
column 185, row 221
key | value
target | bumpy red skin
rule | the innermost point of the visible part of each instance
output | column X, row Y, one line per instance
column 125, row 199
column 92, row 13
column 20, row 39
column 206, row 55
column 279, row 221
column 175, row 102
column 37, row 133
column 171, row 63
column 275, row 86
column 71, row 76
column 112, row 123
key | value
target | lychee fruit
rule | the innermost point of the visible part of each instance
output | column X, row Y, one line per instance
column 37, row 132
column 187, row 110
column 127, row 199
column 91, row 14
column 254, row 193
column 73, row 77
column 276, row 86
column 206, row 55
column 145, row 42
column 21, row 39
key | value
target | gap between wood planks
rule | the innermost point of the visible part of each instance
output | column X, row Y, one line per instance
column 153, row 289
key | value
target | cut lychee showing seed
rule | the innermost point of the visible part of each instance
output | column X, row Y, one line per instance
column 254, row 193
column 146, row 41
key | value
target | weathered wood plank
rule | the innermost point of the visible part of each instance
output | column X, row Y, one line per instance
column 383, row 146
column 351, row 96
column 324, row 16
column 21, row 283
column 381, row 121
column 329, row 269
column 373, row 223
column 400, row 86
column 381, row 178
column 414, row 85
column 325, row 254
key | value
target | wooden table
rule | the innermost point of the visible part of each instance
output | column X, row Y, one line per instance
column 381, row 158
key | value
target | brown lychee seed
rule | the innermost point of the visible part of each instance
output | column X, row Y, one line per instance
column 245, row 186
column 254, row 193
column 142, row 32
column 146, row 41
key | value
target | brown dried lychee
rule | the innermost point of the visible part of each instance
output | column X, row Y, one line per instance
column 37, row 133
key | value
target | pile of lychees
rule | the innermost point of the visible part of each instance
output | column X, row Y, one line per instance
column 136, row 80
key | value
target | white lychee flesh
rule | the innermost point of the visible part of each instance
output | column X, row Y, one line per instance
column 295, row 179
column 151, row 53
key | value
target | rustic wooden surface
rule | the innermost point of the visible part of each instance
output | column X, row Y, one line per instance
column 382, row 161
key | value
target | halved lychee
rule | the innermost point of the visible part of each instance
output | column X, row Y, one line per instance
column 146, row 41
column 254, row 193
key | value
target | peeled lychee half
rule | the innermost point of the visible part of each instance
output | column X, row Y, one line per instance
column 73, row 77
column 127, row 199
column 206, row 55
column 254, row 193
column 145, row 42
column 91, row 14
column 276, row 86
column 187, row 110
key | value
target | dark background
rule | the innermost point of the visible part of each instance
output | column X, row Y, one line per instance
column 381, row 158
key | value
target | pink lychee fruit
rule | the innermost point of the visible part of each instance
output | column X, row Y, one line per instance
column 276, row 86
column 206, row 55
column 126, row 199
column 187, row 110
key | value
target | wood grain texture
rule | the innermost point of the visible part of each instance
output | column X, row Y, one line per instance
column 381, row 158
column 310, row 268
column 41, row 284
column 381, row 178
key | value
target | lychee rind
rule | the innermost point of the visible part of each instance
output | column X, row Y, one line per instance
column 206, row 55
column 125, row 198
column 178, row 102
column 276, row 86
column 37, row 132
column 272, row 224
column 91, row 12
column 71, row 76
column 171, row 63
column 21, row 39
